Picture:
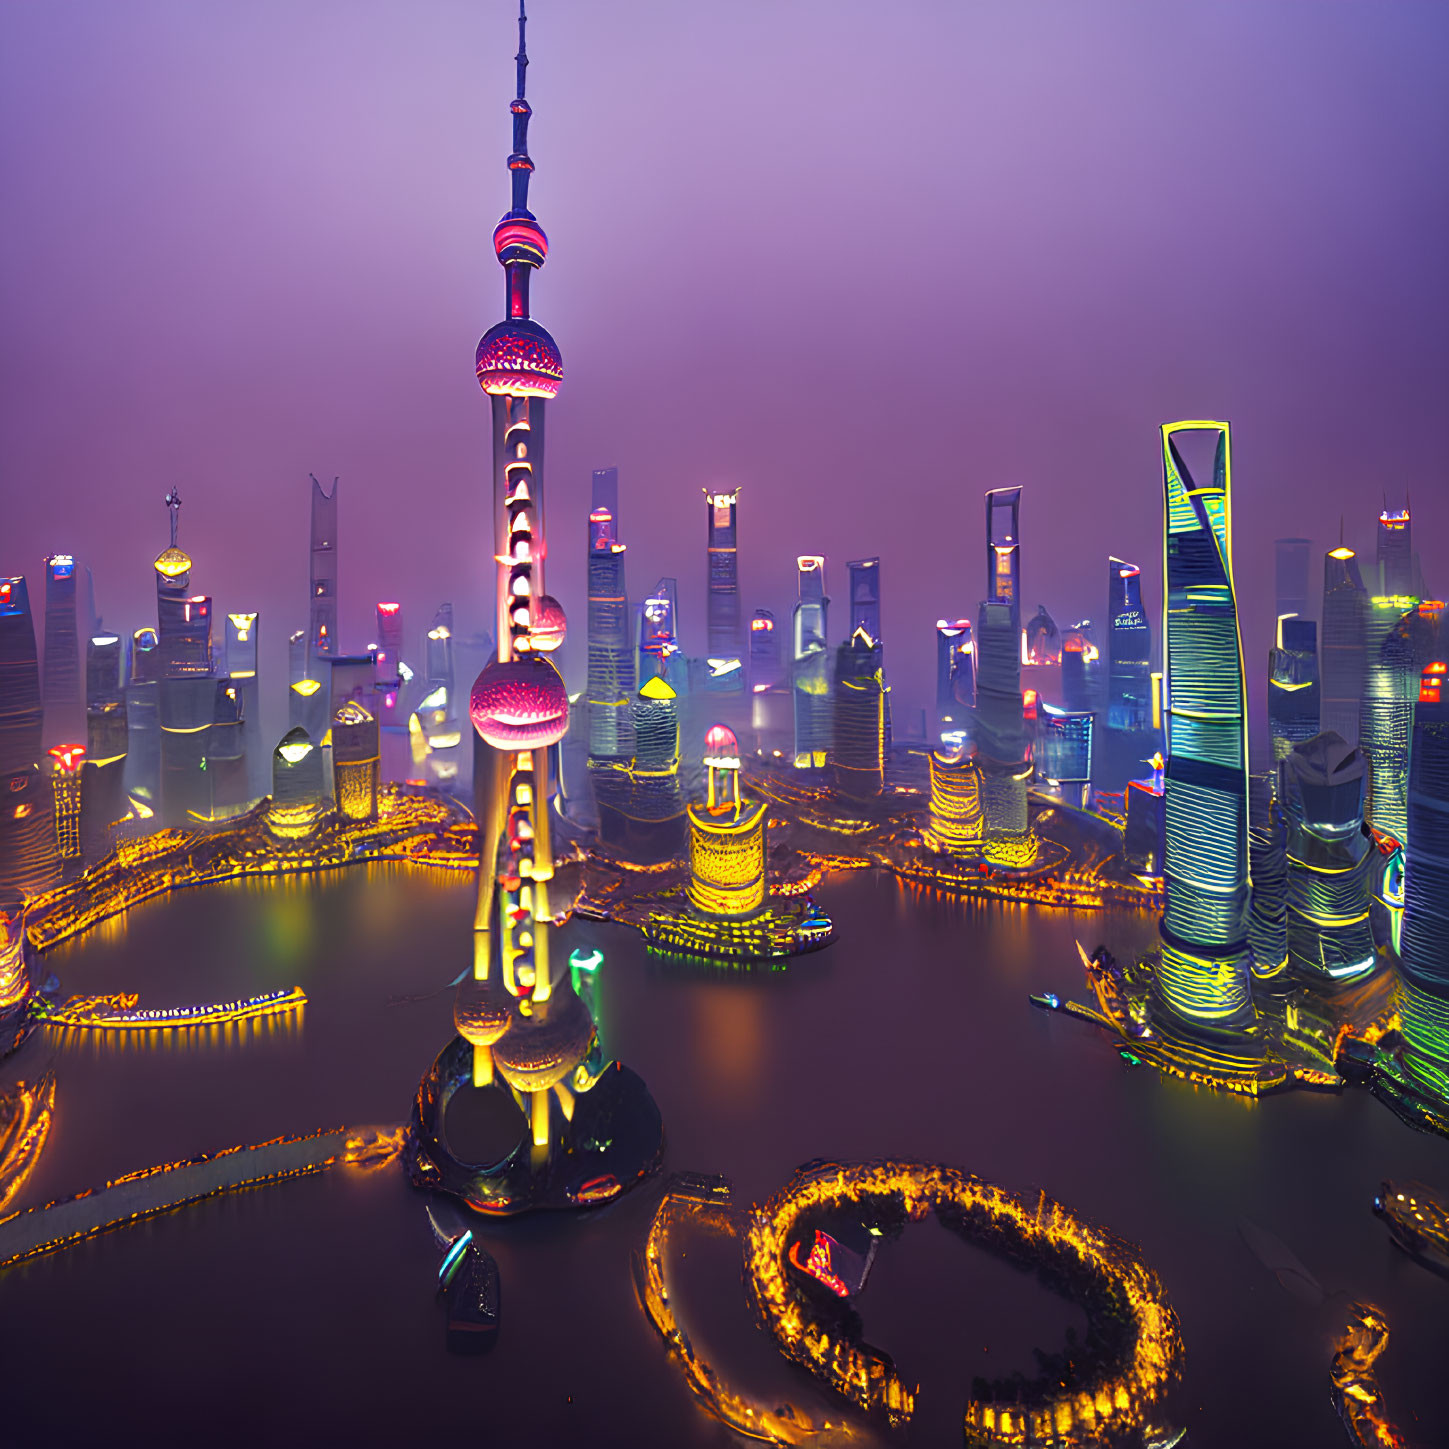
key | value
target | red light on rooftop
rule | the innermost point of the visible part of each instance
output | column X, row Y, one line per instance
column 388, row 608
column 67, row 757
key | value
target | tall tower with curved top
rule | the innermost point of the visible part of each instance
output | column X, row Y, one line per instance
column 521, row 1015
column 1204, row 974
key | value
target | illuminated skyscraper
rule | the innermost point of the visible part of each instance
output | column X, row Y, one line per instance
column 766, row 670
column 1128, row 737
column 1080, row 669
column 243, row 637
column 1203, row 977
column 1424, row 946
column 61, row 668
column 810, row 665
column 186, row 692
column 956, row 826
column 103, row 774
column 21, row 711
column 1003, row 549
column 1000, row 739
column 725, row 652
column 1395, row 539
column 657, row 650
column 438, row 653
column 356, row 759
column 610, row 683
column 65, row 779
column 1329, row 856
column 537, row 1029
column 1129, row 650
column 859, row 718
column 1063, row 753
column 955, row 681
column 322, row 573
column 1341, row 665
column 387, row 658
column 298, row 792
column 726, row 836
column 1290, row 575
column 143, row 720
column 228, row 790
column 1400, row 640
column 1293, row 690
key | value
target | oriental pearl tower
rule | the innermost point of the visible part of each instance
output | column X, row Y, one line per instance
column 522, row 1027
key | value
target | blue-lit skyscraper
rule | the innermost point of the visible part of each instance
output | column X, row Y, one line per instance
column 810, row 665
column 1424, row 946
column 1127, row 739
column 1204, row 973
column 1402, row 638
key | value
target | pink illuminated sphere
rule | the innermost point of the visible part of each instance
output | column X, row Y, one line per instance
column 521, row 704
column 518, row 358
column 549, row 624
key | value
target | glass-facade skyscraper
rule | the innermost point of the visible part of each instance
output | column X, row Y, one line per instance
column 610, row 684
column 1341, row 661
column 725, row 652
column 810, row 664
column 1204, row 972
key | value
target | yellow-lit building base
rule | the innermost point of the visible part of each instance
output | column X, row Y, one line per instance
column 424, row 828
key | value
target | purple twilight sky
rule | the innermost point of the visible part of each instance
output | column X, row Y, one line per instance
column 865, row 260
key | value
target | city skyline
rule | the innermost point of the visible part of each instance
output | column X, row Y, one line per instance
column 1170, row 319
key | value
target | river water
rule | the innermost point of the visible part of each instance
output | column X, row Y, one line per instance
column 304, row 1312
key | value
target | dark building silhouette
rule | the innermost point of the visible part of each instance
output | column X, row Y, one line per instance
column 1293, row 686
column 859, row 716
column 21, row 710
column 322, row 575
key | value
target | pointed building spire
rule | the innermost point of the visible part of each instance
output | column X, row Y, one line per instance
column 519, row 162
column 173, row 502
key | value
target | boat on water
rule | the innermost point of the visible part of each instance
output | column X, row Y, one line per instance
column 122, row 1012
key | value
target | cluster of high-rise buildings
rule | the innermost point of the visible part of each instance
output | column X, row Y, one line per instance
column 163, row 727
column 1303, row 870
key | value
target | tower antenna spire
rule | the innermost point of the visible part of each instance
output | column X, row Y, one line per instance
column 173, row 502
column 519, row 162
